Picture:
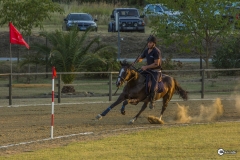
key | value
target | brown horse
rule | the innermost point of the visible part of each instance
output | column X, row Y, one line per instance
column 135, row 92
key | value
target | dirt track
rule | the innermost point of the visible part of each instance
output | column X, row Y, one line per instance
column 30, row 123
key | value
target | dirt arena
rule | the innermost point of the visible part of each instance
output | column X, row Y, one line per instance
column 31, row 123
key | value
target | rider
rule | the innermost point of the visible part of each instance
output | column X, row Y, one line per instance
column 153, row 67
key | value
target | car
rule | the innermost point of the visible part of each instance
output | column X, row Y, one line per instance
column 231, row 12
column 82, row 20
column 175, row 23
column 158, row 10
column 129, row 20
column 236, row 11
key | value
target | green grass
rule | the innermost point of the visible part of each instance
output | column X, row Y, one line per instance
column 177, row 142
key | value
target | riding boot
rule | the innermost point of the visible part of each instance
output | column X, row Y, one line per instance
column 152, row 100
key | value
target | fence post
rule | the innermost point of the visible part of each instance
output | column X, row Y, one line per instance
column 200, row 65
column 202, row 90
column 59, row 88
column 110, row 86
column 10, row 89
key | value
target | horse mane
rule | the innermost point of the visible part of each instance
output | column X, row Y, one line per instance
column 125, row 63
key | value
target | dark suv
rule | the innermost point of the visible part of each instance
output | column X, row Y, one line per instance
column 82, row 20
column 129, row 20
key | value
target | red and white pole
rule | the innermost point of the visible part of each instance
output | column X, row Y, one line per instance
column 52, row 116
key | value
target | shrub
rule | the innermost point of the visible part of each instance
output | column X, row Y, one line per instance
column 168, row 64
column 97, row 65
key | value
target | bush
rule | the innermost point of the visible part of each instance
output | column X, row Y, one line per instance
column 227, row 55
column 96, row 65
column 168, row 64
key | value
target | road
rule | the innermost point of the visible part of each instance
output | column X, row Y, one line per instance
column 128, row 59
column 174, row 59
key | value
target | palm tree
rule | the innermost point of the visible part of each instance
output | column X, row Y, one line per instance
column 70, row 52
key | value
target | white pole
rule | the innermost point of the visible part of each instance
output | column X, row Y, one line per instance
column 52, row 116
column 10, row 88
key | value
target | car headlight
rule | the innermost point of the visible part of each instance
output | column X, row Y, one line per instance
column 140, row 22
column 123, row 24
column 70, row 24
column 135, row 24
column 94, row 25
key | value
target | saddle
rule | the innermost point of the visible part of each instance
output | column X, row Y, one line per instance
column 159, row 87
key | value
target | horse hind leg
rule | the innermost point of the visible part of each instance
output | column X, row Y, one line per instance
column 166, row 99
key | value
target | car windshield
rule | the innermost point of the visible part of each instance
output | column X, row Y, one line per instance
column 128, row 13
column 80, row 17
column 164, row 8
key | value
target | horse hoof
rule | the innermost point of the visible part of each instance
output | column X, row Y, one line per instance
column 131, row 122
column 151, row 106
column 99, row 117
column 123, row 112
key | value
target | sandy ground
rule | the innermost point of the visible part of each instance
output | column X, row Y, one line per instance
column 32, row 122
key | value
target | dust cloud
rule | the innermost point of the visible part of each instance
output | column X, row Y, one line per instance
column 236, row 97
column 237, row 105
column 237, row 102
column 206, row 113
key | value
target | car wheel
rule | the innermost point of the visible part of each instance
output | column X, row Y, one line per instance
column 142, row 31
column 109, row 29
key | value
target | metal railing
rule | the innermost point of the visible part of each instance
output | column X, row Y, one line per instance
column 202, row 80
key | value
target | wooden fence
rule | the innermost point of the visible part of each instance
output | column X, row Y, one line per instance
column 109, row 83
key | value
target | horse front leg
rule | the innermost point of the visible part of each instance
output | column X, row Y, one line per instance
column 123, row 107
column 104, row 113
column 144, row 106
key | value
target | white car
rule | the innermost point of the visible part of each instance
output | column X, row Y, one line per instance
column 82, row 20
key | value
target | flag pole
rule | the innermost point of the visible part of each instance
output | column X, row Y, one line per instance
column 10, row 80
column 15, row 37
column 52, row 116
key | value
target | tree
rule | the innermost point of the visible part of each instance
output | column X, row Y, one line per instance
column 228, row 55
column 70, row 52
column 203, row 21
column 26, row 14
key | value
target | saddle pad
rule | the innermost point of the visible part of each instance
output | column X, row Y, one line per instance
column 160, row 85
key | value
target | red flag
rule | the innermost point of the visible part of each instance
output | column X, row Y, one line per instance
column 15, row 36
column 54, row 72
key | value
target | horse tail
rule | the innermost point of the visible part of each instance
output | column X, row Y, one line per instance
column 180, row 91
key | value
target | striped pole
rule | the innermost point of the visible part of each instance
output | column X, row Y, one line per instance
column 52, row 116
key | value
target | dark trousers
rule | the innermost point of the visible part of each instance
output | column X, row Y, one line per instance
column 155, row 75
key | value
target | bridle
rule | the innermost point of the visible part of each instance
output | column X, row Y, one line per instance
column 123, row 80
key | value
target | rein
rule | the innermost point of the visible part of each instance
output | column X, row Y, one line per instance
column 124, row 81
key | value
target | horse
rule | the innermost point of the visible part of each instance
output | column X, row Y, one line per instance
column 135, row 91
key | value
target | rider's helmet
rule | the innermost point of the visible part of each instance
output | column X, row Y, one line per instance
column 152, row 39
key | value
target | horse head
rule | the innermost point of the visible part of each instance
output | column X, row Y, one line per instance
column 124, row 73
